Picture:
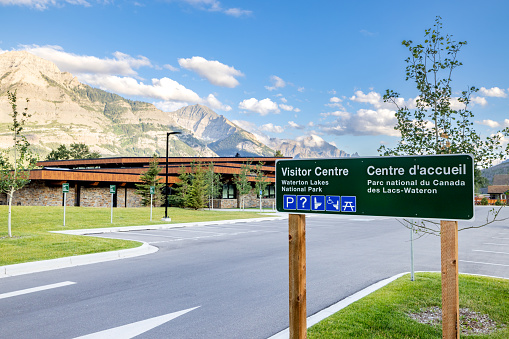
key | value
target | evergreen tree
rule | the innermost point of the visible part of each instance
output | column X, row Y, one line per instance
column 197, row 193
column 75, row 151
column 151, row 178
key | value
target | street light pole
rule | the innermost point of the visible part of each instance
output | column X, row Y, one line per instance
column 166, row 187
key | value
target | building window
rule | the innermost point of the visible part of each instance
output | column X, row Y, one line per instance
column 270, row 191
column 228, row 191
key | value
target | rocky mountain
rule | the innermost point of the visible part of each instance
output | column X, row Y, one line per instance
column 66, row 111
column 311, row 146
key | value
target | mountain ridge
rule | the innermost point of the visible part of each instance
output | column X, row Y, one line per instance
column 64, row 110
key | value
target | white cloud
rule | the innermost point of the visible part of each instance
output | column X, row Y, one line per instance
column 371, row 98
column 311, row 140
column 121, row 64
column 493, row 92
column 277, row 82
column 215, row 72
column 506, row 122
column 213, row 103
column 335, row 102
column 215, row 6
column 170, row 106
column 342, row 114
column 301, row 89
column 479, row 101
column 364, row 122
column 170, row 91
column 286, row 107
column 262, row 107
column 296, row 110
column 270, row 127
column 489, row 123
column 171, row 68
column 43, row 4
column 295, row 125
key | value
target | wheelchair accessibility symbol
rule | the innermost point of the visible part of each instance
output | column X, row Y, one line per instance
column 348, row 204
column 332, row 203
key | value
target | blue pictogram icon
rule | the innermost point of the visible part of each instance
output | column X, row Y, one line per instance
column 303, row 202
column 290, row 202
column 332, row 203
column 318, row 203
column 348, row 204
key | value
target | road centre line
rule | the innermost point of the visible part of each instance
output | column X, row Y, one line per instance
column 499, row 238
column 194, row 231
column 491, row 243
column 35, row 289
column 490, row 252
column 483, row 263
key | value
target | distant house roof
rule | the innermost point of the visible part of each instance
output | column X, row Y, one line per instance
column 501, row 179
column 498, row 189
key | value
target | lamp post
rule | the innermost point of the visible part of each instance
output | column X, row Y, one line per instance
column 166, row 187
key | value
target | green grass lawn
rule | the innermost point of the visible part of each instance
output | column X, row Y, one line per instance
column 32, row 240
column 384, row 313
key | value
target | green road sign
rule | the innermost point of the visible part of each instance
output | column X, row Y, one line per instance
column 65, row 188
column 152, row 190
column 113, row 189
column 438, row 186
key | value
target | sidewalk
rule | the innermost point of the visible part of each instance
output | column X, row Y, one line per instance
column 78, row 260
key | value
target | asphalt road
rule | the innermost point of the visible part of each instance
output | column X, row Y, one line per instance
column 235, row 276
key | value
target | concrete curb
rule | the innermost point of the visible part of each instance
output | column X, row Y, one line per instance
column 327, row 312
column 78, row 260
column 165, row 226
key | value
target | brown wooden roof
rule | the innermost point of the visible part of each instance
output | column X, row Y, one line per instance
column 498, row 189
column 128, row 170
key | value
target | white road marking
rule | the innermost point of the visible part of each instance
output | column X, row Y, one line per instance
column 132, row 330
column 35, row 289
column 490, row 252
column 484, row 263
column 490, row 243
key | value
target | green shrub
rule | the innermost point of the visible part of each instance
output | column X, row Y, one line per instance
column 484, row 201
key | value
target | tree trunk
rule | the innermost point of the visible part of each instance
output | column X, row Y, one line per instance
column 10, row 212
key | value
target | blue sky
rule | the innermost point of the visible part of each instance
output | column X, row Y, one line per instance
column 279, row 68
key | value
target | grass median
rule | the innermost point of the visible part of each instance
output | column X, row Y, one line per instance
column 31, row 226
column 402, row 308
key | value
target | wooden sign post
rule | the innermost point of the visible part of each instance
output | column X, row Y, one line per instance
column 450, row 287
column 297, row 254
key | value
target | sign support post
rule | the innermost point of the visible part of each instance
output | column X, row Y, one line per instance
column 113, row 190
column 297, row 256
column 450, row 288
column 152, row 191
column 65, row 190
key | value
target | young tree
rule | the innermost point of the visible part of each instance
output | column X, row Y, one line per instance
column 215, row 186
column 242, row 182
column 151, row 178
column 261, row 181
column 439, row 123
column 14, row 174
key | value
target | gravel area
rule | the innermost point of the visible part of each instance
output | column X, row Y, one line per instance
column 470, row 322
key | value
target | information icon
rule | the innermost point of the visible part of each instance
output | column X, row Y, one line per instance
column 303, row 202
